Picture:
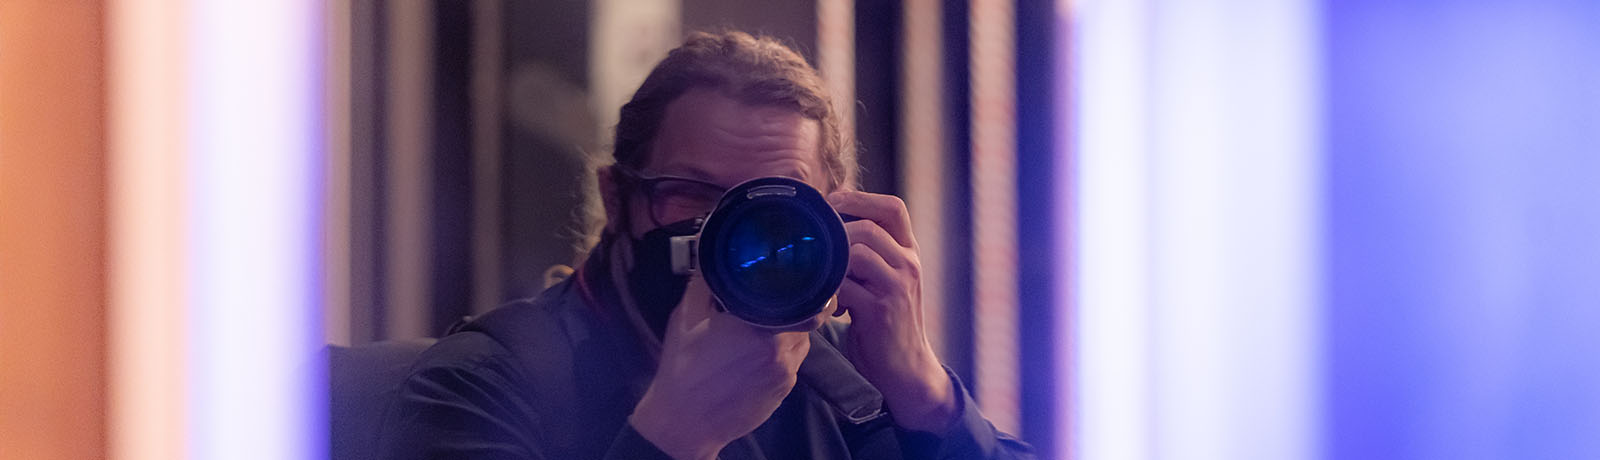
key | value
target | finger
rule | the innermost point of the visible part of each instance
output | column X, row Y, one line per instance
column 858, row 301
column 831, row 309
column 694, row 309
column 725, row 321
column 875, row 237
column 798, row 349
column 797, row 342
column 815, row 321
column 869, row 269
column 732, row 326
column 804, row 326
column 887, row 210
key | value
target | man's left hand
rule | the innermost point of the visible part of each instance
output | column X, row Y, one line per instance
column 882, row 292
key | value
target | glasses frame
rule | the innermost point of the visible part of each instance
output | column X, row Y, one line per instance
column 646, row 184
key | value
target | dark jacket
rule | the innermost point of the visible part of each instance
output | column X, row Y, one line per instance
column 556, row 377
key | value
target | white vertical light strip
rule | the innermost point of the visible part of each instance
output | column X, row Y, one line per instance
column 408, row 188
column 994, row 211
column 1233, row 176
column 148, row 308
column 1064, row 342
column 1197, row 210
column 258, row 385
column 1111, row 369
column 923, row 158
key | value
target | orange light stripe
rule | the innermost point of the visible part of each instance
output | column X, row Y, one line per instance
column 923, row 158
column 52, row 223
column 994, row 209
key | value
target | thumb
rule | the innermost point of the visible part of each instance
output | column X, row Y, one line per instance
column 693, row 309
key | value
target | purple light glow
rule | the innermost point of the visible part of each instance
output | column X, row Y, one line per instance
column 1463, row 258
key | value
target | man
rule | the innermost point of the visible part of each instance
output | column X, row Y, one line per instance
column 626, row 360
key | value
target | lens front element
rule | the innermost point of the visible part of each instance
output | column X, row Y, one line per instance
column 774, row 256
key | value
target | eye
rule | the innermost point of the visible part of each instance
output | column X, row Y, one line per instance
column 682, row 198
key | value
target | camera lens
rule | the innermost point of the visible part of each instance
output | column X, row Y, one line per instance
column 774, row 251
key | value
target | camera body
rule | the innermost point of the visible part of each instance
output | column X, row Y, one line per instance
column 773, row 252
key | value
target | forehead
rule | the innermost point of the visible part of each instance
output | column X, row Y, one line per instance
column 708, row 136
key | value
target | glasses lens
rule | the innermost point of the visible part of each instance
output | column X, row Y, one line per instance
column 673, row 200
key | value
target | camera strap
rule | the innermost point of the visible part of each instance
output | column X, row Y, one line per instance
column 836, row 381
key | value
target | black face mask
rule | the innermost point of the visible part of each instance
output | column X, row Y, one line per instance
column 656, row 289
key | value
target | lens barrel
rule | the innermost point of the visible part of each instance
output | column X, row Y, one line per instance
column 773, row 252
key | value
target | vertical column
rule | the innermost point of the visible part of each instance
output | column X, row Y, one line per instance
column 994, row 209
column 1043, row 231
column 258, row 388
column 408, row 190
column 836, row 57
column 52, row 230
column 366, row 146
column 1234, row 184
column 1064, row 342
column 1198, row 281
column 923, row 158
column 626, row 39
column 339, row 47
column 488, row 61
column 149, row 263
column 1112, row 352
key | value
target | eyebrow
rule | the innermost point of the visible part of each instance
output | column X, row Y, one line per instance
column 687, row 170
column 694, row 172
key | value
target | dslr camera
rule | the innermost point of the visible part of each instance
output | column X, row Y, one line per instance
column 773, row 252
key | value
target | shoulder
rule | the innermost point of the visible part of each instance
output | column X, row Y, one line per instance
column 463, row 352
column 495, row 341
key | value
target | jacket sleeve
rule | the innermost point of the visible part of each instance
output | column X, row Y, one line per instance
column 970, row 436
column 476, row 413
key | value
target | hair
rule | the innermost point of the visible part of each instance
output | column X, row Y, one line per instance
column 755, row 70
column 749, row 69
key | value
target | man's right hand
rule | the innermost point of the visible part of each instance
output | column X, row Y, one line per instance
column 719, row 378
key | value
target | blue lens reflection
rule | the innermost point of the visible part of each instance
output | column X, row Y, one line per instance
column 775, row 253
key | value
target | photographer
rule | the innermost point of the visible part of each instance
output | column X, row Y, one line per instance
column 629, row 360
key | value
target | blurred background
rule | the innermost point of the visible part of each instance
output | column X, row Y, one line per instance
column 1218, row 229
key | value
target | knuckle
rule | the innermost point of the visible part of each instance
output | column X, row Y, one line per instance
column 896, row 203
column 880, row 232
column 860, row 251
column 854, row 229
column 774, row 357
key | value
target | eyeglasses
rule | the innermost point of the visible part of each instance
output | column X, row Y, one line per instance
column 673, row 198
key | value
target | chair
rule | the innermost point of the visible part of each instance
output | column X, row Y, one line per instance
column 362, row 382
